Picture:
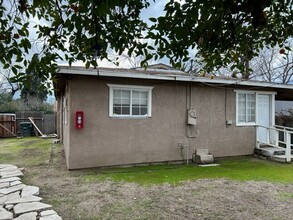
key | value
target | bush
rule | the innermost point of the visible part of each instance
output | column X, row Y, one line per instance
column 9, row 105
column 285, row 118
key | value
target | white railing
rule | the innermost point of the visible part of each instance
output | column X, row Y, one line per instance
column 277, row 136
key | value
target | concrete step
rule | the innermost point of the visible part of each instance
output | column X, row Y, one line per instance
column 274, row 153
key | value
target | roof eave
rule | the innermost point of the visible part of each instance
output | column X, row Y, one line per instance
column 125, row 74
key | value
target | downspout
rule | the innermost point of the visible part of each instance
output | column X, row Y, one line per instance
column 188, row 127
column 189, row 139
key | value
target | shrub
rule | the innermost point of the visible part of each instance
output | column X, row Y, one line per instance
column 285, row 118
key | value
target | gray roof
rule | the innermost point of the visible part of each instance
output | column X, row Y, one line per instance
column 285, row 91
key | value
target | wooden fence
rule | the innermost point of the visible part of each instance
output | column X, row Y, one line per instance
column 7, row 125
column 49, row 126
column 45, row 122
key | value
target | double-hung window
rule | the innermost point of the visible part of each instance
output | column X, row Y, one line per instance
column 130, row 101
column 246, row 108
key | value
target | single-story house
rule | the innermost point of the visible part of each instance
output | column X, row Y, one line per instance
column 112, row 116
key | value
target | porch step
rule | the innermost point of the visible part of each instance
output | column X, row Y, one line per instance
column 281, row 158
column 269, row 151
column 274, row 153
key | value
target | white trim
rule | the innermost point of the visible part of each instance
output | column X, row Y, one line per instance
column 148, row 89
column 273, row 113
column 246, row 124
column 117, row 86
column 257, row 93
column 256, row 107
column 237, row 109
column 150, row 103
column 110, row 102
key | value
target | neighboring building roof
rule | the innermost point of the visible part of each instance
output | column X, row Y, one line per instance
column 158, row 66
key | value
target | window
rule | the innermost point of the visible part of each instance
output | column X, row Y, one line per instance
column 254, row 107
column 129, row 101
column 246, row 108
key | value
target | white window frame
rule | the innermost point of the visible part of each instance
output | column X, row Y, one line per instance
column 272, row 106
column 130, row 87
column 237, row 109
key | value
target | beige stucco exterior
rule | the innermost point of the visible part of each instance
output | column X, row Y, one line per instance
column 106, row 141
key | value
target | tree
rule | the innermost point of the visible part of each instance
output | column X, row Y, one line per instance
column 193, row 67
column 32, row 91
column 7, row 104
column 7, row 84
column 71, row 30
column 10, row 105
column 223, row 32
column 274, row 65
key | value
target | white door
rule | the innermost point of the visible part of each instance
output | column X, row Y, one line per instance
column 264, row 115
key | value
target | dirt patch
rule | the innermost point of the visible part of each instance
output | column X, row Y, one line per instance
column 200, row 199
column 74, row 198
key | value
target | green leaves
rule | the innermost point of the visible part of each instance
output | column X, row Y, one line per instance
column 71, row 30
column 212, row 30
column 153, row 19
column 220, row 32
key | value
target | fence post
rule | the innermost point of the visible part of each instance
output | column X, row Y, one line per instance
column 277, row 138
column 288, row 146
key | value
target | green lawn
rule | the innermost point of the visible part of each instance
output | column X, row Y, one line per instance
column 238, row 168
column 25, row 152
column 35, row 152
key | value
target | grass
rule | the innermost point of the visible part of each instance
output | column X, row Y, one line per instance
column 25, row 152
column 28, row 152
column 239, row 168
column 97, row 198
column 286, row 195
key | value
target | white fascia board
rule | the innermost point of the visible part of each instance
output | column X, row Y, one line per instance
column 234, row 82
column 136, row 75
column 97, row 72
column 77, row 71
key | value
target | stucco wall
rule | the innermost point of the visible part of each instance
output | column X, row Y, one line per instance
column 215, row 106
column 108, row 141
column 66, row 122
